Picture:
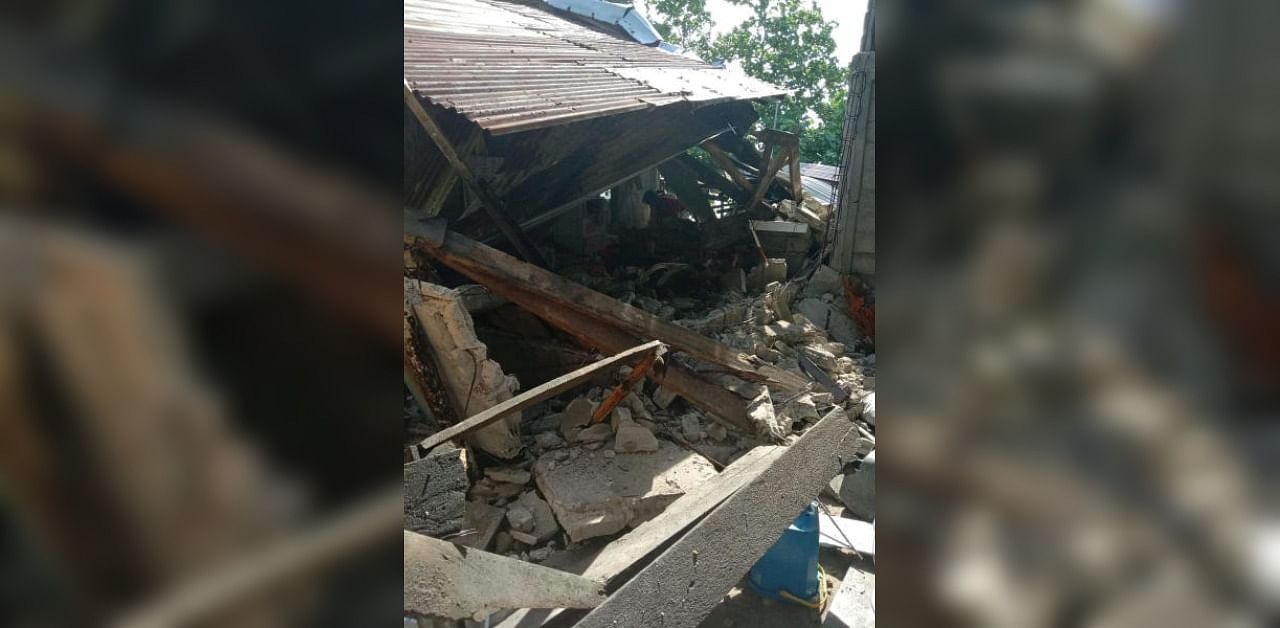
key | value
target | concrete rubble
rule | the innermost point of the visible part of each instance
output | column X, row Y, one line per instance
column 595, row 495
column 551, row 479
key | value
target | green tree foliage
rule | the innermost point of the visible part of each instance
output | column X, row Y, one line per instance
column 683, row 22
column 785, row 42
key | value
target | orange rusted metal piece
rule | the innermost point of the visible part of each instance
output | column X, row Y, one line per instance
column 862, row 312
column 637, row 373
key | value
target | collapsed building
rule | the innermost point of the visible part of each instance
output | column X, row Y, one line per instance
column 622, row 334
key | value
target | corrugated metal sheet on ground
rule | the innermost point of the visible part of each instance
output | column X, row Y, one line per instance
column 511, row 67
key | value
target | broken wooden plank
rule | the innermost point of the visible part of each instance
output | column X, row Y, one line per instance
column 726, row 162
column 722, row 405
column 295, row 557
column 540, row 393
column 501, row 272
column 797, row 189
column 488, row 201
column 646, row 538
column 712, row 557
column 453, row 582
column 766, row 178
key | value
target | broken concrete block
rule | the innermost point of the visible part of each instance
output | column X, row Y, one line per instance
column 520, row 518
column 635, row 404
column 823, row 358
column 774, row 270
column 735, row 280
column 853, row 605
column 663, row 397
column 464, row 365
column 619, row 416
column 544, row 522
column 691, row 427
column 717, row 432
column 594, row 496
column 632, row 438
column 435, row 492
column 801, row 408
column 576, row 416
column 502, row 542
column 868, row 409
column 508, row 474
column 548, row 440
column 596, row 433
column 540, row 554
column 484, row 520
column 523, row 537
column 857, row 490
column 761, row 414
column 825, row 280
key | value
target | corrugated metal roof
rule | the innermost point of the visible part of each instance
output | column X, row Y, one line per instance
column 820, row 171
column 512, row 67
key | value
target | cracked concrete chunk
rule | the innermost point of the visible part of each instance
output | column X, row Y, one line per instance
column 632, row 438
column 508, row 474
column 691, row 427
column 857, row 490
column 620, row 416
column 465, row 366
column 594, row 496
column 717, row 432
column 577, row 415
column 663, row 397
column 520, row 518
column 596, row 433
column 548, row 440
column 435, row 492
column 544, row 522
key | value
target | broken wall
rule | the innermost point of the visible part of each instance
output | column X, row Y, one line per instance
column 473, row 381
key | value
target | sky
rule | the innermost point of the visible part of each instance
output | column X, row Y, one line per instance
column 847, row 13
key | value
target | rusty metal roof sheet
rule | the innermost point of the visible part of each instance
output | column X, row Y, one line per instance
column 512, row 67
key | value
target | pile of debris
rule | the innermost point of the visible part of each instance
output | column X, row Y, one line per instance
column 612, row 446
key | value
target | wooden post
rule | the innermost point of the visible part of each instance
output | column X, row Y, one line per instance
column 490, row 203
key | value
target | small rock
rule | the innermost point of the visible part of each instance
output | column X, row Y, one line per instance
column 717, row 432
column 520, row 518
column 562, row 455
column 508, row 474
column 619, row 416
column 663, row 397
column 595, row 433
column 691, row 427
column 524, row 537
column 609, row 453
column 868, row 409
column 540, row 554
column 544, row 521
column 634, row 439
column 548, row 440
column 576, row 415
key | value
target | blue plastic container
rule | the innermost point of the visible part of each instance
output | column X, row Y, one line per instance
column 791, row 565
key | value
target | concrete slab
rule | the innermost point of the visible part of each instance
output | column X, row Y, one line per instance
column 595, row 495
column 854, row 603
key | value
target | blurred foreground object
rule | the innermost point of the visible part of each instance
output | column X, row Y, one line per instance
column 1055, row 410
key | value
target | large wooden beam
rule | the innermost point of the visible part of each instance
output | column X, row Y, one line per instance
column 718, row 402
column 712, row 557
column 490, row 203
column 501, row 272
column 448, row 581
column 636, row 545
column 729, row 166
column 767, row 175
column 542, row 393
